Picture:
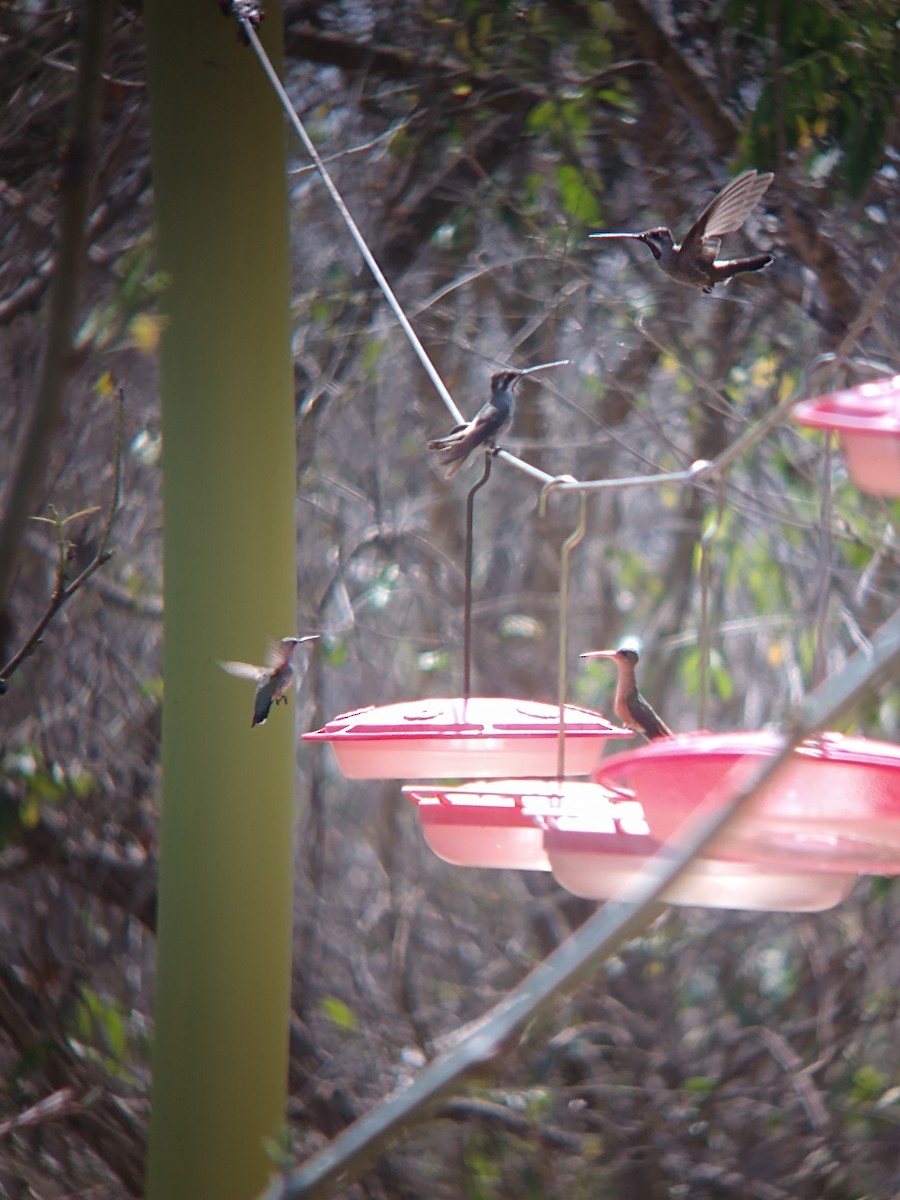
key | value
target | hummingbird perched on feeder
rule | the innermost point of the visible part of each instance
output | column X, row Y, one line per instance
column 455, row 448
column 694, row 261
column 629, row 705
column 272, row 680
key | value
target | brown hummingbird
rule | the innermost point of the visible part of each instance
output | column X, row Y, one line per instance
column 629, row 705
column 694, row 262
column 272, row 680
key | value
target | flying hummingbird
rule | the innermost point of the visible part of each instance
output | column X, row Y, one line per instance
column 455, row 448
column 629, row 705
column 694, row 262
column 272, row 680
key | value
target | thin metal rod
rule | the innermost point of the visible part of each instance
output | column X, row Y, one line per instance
column 470, row 556
column 704, row 640
column 826, row 563
column 562, row 675
column 697, row 472
column 355, row 233
column 562, row 681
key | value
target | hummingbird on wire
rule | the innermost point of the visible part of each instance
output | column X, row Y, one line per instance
column 629, row 705
column 272, row 680
column 694, row 262
column 455, row 448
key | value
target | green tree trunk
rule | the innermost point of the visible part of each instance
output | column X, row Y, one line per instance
column 223, row 973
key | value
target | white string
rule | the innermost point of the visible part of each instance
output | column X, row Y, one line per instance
column 364, row 250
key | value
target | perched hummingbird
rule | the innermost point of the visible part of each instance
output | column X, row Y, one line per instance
column 629, row 705
column 694, row 262
column 272, row 680
column 459, row 443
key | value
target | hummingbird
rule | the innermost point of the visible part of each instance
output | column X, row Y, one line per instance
column 629, row 705
column 694, row 262
column 455, row 448
column 459, row 443
column 272, row 680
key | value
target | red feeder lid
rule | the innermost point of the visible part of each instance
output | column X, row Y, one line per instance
column 447, row 739
column 501, row 823
column 872, row 407
column 834, row 807
column 868, row 419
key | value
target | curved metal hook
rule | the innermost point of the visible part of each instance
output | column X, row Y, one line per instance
column 550, row 486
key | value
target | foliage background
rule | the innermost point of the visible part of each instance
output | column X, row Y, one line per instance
column 723, row 1054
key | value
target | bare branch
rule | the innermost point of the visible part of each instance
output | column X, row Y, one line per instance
column 75, row 192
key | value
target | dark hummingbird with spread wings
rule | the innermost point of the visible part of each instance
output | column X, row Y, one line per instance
column 272, row 680
column 455, row 448
column 694, row 261
column 629, row 705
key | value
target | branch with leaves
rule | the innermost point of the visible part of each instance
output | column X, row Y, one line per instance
column 65, row 588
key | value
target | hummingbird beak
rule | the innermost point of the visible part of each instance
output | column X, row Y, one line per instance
column 560, row 362
column 598, row 654
column 636, row 236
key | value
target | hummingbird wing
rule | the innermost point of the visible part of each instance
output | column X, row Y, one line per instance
column 456, row 447
column 451, row 439
column 275, row 654
column 242, row 670
column 726, row 213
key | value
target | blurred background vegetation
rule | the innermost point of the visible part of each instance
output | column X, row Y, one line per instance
column 477, row 145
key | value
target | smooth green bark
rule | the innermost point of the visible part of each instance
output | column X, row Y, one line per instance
column 224, row 944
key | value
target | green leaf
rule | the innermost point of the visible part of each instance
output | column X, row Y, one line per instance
column 576, row 196
column 339, row 1013
column 701, row 1084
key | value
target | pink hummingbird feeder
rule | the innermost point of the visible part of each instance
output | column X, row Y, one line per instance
column 501, row 823
column 834, row 807
column 593, row 861
column 867, row 417
column 479, row 737
column 596, row 839
column 831, row 814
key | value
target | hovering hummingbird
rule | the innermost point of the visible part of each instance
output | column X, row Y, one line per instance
column 694, row 262
column 629, row 705
column 272, row 680
column 455, row 448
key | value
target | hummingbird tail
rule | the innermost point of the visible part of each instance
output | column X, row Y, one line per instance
column 736, row 266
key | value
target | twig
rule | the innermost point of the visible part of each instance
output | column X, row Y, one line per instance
column 58, row 1106
column 65, row 589
column 76, row 184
